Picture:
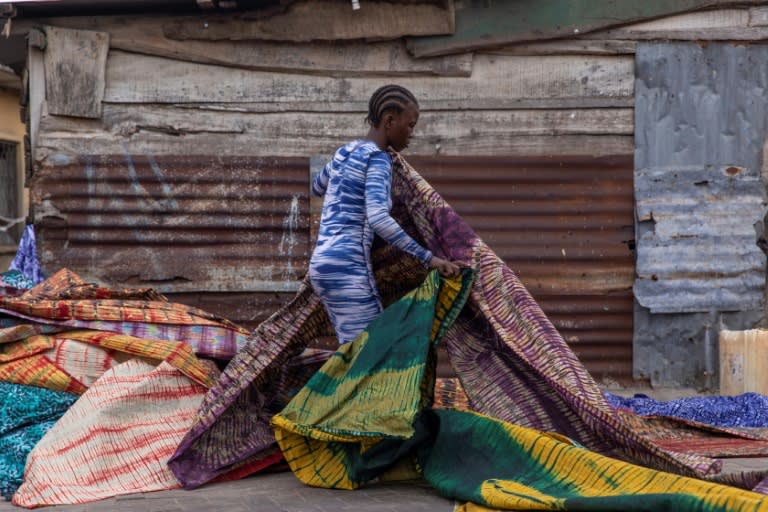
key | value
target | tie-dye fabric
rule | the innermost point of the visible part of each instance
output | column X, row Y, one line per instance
column 15, row 279
column 365, row 410
column 26, row 261
column 115, row 440
column 745, row 410
column 43, row 360
column 512, row 363
column 356, row 185
column 26, row 414
column 65, row 300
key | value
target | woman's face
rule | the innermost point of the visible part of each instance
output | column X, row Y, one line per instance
column 399, row 127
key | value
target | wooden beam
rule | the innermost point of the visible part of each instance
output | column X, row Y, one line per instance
column 74, row 65
column 495, row 23
column 322, row 20
column 569, row 47
column 162, row 130
column 497, row 82
column 724, row 24
column 331, row 58
column 36, row 98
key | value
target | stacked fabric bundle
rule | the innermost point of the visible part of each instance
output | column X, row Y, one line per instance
column 131, row 354
column 512, row 363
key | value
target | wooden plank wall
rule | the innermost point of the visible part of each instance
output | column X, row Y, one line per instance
column 165, row 95
column 255, row 97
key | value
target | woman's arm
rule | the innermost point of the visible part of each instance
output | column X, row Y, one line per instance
column 320, row 184
column 377, row 189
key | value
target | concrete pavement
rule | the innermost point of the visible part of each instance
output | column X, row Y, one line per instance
column 282, row 492
column 274, row 492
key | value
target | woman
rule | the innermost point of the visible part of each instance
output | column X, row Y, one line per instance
column 356, row 185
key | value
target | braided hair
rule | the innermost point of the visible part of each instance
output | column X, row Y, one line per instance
column 388, row 97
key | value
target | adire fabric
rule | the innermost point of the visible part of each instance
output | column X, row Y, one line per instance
column 512, row 363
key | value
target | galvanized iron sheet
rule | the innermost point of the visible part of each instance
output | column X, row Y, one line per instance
column 177, row 224
column 700, row 129
column 698, row 253
column 566, row 226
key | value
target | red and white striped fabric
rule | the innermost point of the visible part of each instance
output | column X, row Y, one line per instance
column 116, row 439
column 83, row 361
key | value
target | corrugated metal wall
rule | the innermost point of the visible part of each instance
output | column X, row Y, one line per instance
column 231, row 235
column 179, row 224
column 700, row 132
column 566, row 226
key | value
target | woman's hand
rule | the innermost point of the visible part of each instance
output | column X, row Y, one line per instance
column 445, row 267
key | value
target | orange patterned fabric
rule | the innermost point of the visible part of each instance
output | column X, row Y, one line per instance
column 64, row 296
column 35, row 361
column 38, row 370
column 26, row 347
column 177, row 354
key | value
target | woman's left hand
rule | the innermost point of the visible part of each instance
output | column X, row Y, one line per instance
column 444, row 267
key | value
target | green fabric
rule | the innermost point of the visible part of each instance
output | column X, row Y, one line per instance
column 368, row 408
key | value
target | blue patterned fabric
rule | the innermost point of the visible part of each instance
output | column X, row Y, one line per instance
column 746, row 410
column 26, row 414
column 26, row 257
column 357, row 188
column 16, row 279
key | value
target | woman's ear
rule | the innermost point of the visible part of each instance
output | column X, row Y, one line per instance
column 388, row 119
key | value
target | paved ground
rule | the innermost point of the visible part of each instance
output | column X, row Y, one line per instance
column 282, row 492
column 278, row 492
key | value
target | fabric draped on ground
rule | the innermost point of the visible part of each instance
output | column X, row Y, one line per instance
column 510, row 359
column 64, row 300
column 26, row 414
column 745, row 410
column 366, row 409
column 116, row 439
column 64, row 333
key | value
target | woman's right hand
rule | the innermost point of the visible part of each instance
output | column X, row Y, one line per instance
column 444, row 267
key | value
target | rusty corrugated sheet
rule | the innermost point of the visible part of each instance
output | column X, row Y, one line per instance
column 700, row 135
column 699, row 253
column 178, row 224
column 566, row 226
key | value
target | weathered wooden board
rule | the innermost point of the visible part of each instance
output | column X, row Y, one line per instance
column 57, row 147
column 9, row 79
column 36, row 84
column 497, row 82
column 723, row 24
column 332, row 58
column 495, row 23
column 325, row 20
column 127, row 120
column 301, row 134
column 568, row 47
column 166, row 130
column 74, row 67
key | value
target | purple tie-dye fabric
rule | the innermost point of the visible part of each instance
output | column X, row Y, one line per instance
column 512, row 362
column 26, row 260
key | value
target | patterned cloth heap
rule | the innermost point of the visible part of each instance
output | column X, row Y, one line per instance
column 512, row 363
column 364, row 411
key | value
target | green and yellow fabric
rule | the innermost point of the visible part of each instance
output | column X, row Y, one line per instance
column 368, row 408
column 356, row 414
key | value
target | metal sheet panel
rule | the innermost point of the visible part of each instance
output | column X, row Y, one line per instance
column 700, row 130
column 178, row 224
column 566, row 226
column 699, row 252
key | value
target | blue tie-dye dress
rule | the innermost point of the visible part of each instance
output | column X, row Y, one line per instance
column 357, row 185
